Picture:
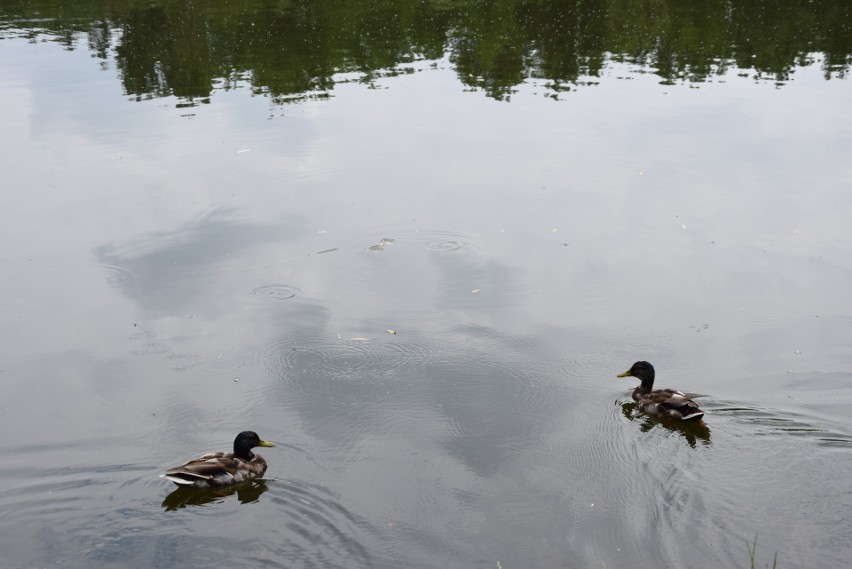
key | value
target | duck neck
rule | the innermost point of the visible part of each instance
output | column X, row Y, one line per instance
column 243, row 452
column 647, row 385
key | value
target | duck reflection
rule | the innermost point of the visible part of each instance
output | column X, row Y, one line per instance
column 246, row 493
column 692, row 431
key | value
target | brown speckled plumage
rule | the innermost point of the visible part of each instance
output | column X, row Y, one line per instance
column 666, row 403
column 223, row 468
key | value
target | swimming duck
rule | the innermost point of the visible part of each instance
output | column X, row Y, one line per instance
column 223, row 468
column 666, row 403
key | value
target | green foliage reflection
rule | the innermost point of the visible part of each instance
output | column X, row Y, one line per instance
column 295, row 48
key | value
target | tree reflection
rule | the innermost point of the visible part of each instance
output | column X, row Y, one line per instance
column 296, row 49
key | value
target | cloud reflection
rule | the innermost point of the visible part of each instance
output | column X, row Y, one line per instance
column 171, row 272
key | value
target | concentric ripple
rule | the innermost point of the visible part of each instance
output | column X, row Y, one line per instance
column 436, row 241
column 150, row 348
column 354, row 358
column 183, row 362
column 606, row 356
column 491, row 394
column 321, row 531
column 276, row 292
column 444, row 245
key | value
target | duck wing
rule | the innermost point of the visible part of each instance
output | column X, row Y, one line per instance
column 676, row 404
column 689, row 395
column 213, row 469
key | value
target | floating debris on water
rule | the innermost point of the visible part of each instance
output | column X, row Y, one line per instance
column 380, row 246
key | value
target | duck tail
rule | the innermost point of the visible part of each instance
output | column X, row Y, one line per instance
column 184, row 478
column 693, row 416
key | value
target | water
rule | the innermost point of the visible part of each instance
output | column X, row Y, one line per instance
column 413, row 245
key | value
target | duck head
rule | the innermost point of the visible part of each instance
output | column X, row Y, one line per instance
column 643, row 371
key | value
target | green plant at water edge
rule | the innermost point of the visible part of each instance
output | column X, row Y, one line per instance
column 752, row 549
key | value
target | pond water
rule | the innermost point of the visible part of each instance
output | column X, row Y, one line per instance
column 413, row 244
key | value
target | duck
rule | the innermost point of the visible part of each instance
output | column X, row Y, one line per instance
column 665, row 403
column 217, row 469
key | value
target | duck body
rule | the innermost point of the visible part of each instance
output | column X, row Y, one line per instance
column 665, row 403
column 217, row 469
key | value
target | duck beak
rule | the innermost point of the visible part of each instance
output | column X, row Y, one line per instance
column 266, row 444
column 625, row 374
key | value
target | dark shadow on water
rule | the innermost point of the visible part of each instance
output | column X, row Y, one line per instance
column 246, row 493
column 691, row 431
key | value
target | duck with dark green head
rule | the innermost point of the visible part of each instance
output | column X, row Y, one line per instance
column 665, row 403
column 218, row 469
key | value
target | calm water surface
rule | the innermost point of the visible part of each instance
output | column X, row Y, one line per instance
column 414, row 244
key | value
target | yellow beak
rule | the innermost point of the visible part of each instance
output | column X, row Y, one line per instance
column 625, row 374
column 266, row 444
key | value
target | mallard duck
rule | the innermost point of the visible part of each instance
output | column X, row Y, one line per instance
column 666, row 403
column 223, row 468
